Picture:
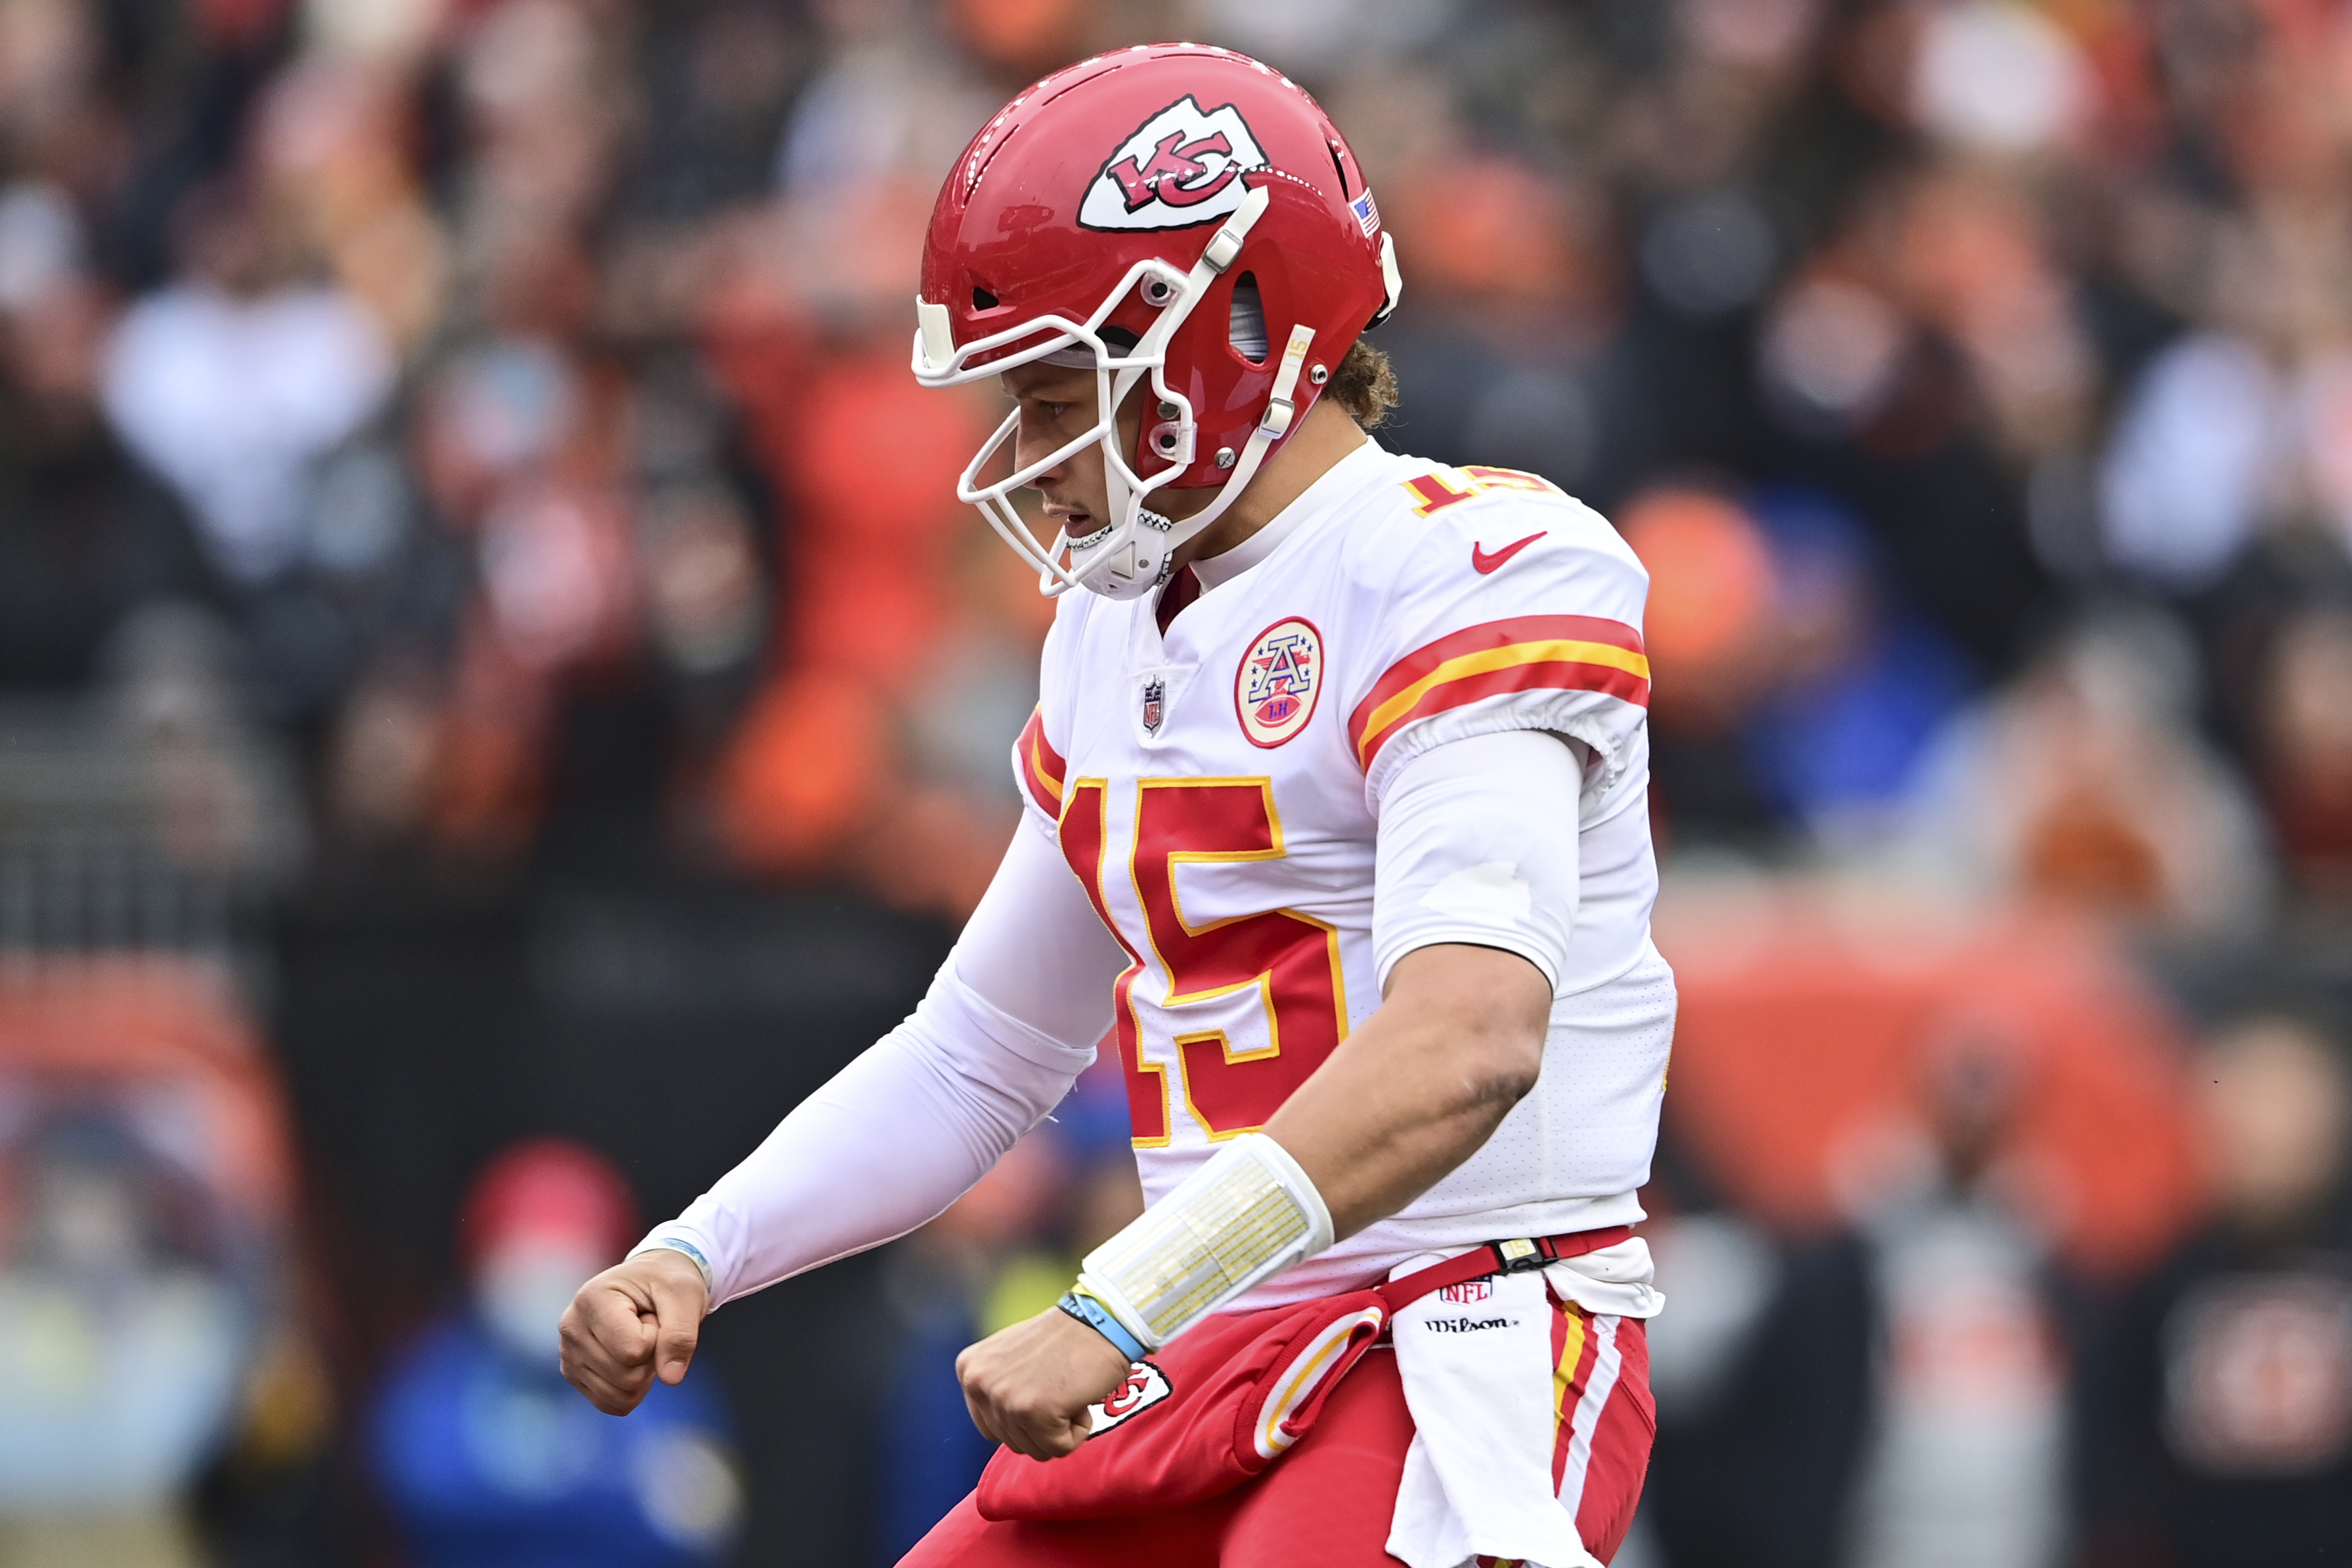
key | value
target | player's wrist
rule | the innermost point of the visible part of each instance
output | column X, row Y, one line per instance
column 662, row 1247
column 1084, row 1306
column 1242, row 1217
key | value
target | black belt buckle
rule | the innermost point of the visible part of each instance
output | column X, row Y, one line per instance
column 1521, row 1254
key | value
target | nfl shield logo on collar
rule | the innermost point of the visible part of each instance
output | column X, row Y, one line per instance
column 1155, row 705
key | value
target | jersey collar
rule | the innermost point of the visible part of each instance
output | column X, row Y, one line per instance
column 1218, row 570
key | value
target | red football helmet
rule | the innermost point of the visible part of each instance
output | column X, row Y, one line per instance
column 1173, row 211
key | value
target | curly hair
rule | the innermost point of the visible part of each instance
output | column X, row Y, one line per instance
column 1365, row 385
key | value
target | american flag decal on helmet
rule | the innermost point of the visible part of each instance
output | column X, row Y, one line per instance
column 1368, row 213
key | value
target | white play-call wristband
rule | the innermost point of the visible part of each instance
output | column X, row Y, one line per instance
column 1245, row 1216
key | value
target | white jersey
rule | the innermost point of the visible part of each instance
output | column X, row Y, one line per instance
column 1217, row 790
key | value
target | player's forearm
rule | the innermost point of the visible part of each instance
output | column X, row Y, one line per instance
column 1404, row 1100
column 1475, row 897
column 903, row 1130
column 892, row 1140
column 870, row 1157
column 1421, row 1086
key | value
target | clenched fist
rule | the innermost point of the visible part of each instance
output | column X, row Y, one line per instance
column 633, row 1321
column 1028, row 1386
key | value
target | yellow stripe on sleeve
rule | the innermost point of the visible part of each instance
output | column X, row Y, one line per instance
column 1554, row 652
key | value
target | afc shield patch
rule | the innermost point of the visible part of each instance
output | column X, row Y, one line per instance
column 1279, row 679
column 1182, row 166
column 1146, row 1386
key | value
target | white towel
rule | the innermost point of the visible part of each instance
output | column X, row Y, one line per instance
column 1476, row 1365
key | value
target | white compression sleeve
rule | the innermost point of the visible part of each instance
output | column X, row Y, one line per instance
column 900, row 1132
column 1478, row 844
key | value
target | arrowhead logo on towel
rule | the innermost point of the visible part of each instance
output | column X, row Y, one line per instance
column 1146, row 1386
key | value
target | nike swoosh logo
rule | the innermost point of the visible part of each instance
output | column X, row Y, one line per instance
column 1484, row 562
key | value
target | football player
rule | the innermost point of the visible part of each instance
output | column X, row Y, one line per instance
column 1336, row 822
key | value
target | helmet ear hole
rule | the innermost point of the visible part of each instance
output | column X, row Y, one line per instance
column 1246, row 329
column 981, row 299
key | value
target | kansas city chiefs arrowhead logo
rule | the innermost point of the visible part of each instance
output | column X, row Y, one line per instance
column 1183, row 167
column 1146, row 1386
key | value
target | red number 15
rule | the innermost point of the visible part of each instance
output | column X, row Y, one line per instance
column 1292, row 960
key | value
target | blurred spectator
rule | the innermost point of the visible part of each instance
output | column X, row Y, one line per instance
column 2221, row 1399
column 143, row 1197
column 1963, row 1460
column 1723, row 1272
column 223, row 802
column 1901, row 1401
column 1863, row 683
column 890, row 102
column 1800, row 695
column 2304, row 721
column 84, row 535
column 136, row 1318
column 1712, row 640
column 2188, row 474
column 2086, row 783
column 483, row 1451
column 236, row 381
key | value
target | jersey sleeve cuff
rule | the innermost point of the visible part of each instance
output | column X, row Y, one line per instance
column 1603, row 725
column 1514, row 941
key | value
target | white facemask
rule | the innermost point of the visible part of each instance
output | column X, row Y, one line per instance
column 1129, row 554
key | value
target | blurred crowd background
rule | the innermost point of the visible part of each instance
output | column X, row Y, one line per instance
column 497, row 700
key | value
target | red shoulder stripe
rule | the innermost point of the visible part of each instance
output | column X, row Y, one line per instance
column 1569, row 653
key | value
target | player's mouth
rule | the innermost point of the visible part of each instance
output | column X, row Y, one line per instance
column 1074, row 522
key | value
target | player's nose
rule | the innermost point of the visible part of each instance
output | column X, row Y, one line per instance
column 1031, row 445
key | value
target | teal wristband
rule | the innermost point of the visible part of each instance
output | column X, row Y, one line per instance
column 692, row 1254
column 1096, row 1316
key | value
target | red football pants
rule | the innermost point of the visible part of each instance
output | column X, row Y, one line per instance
column 1329, row 1500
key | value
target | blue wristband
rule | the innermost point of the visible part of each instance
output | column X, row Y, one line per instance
column 1096, row 1316
column 692, row 1253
